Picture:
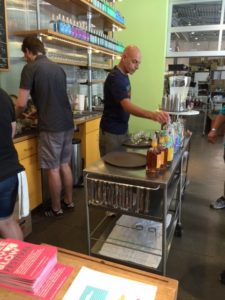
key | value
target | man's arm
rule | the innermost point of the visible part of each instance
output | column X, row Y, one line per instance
column 161, row 117
column 218, row 122
column 21, row 102
column 13, row 124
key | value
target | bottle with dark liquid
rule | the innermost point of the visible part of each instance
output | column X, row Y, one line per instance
column 153, row 159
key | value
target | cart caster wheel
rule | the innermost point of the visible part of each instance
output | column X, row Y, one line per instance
column 178, row 230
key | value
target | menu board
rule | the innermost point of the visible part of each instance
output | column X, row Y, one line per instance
column 4, row 61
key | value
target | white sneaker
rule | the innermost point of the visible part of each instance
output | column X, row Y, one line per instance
column 219, row 203
column 110, row 214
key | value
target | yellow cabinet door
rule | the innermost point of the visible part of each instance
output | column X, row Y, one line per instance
column 33, row 173
column 89, row 135
column 92, row 147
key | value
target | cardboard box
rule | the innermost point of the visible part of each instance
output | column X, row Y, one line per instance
column 25, row 223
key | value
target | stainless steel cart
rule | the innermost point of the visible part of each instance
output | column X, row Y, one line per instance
column 141, row 206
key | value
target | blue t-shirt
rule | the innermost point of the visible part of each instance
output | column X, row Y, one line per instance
column 116, row 88
column 9, row 163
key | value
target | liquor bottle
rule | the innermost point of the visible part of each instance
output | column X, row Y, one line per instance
column 170, row 149
column 53, row 24
column 164, row 151
column 153, row 162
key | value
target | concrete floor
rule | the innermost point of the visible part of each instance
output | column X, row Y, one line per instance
column 197, row 258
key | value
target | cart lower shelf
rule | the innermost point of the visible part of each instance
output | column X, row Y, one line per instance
column 133, row 240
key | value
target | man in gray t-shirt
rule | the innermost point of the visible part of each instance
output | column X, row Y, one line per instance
column 45, row 81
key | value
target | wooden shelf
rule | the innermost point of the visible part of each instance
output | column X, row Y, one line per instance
column 53, row 36
column 94, row 81
column 82, row 64
column 71, row 63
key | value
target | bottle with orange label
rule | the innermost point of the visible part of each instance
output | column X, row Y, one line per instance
column 164, row 151
column 170, row 148
column 153, row 163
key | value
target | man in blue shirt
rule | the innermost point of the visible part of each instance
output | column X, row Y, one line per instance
column 218, row 122
column 117, row 104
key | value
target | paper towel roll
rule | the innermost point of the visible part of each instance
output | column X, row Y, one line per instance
column 81, row 101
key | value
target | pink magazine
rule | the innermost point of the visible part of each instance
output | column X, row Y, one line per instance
column 26, row 262
column 50, row 286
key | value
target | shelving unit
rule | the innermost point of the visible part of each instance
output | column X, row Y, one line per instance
column 56, row 38
column 138, row 201
column 93, row 16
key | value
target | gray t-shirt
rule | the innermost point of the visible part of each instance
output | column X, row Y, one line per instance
column 47, row 84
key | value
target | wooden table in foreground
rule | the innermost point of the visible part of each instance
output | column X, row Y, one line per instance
column 166, row 287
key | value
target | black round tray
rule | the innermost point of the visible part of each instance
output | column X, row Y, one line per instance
column 124, row 159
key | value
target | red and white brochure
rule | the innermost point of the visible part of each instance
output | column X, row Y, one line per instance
column 51, row 286
column 31, row 269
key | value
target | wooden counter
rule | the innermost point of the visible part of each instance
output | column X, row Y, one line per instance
column 166, row 288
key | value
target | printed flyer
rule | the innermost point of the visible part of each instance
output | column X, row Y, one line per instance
column 93, row 285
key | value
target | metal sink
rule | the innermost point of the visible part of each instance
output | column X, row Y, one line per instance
column 80, row 114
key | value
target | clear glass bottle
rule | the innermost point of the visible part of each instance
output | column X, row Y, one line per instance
column 164, row 151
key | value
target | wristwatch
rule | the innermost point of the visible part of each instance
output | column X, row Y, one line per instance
column 214, row 130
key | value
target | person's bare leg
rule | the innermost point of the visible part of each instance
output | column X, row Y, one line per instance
column 9, row 228
column 55, row 187
column 67, row 178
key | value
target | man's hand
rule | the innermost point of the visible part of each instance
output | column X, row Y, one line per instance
column 161, row 117
column 31, row 115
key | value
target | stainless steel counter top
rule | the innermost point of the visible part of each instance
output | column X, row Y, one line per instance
column 138, row 176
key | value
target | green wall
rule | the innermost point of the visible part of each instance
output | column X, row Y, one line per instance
column 146, row 27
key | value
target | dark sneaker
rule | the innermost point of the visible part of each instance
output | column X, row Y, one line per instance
column 218, row 204
column 68, row 206
column 51, row 213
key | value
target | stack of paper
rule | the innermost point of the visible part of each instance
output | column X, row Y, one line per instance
column 136, row 240
column 92, row 284
column 31, row 268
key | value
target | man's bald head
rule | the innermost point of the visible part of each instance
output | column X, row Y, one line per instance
column 130, row 60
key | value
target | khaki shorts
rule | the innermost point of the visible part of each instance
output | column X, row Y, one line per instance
column 55, row 148
column 109, row 142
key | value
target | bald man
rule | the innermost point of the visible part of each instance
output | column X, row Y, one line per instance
column 117, row 104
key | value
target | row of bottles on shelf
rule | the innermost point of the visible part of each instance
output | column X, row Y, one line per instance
column 195, row 102
column 79, row 31
column 108, row 8
column 165, row 143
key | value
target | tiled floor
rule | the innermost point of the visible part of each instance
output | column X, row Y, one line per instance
column 197, row 258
